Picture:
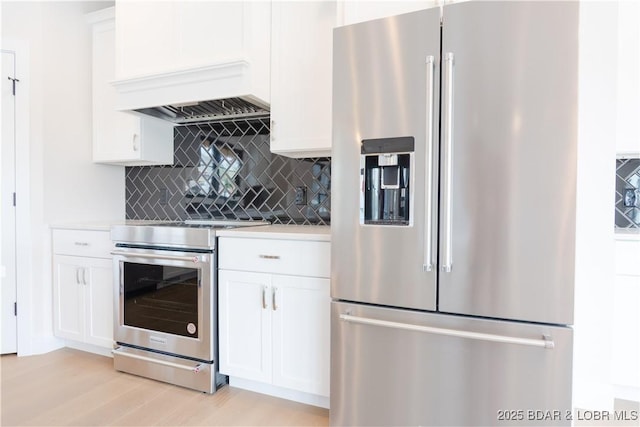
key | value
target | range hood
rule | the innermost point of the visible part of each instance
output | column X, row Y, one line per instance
column 215, row 92
column 206, row 111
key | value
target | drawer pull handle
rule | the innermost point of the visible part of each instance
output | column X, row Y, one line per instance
column 81, row 243
column 264, row 297
column 269, row 256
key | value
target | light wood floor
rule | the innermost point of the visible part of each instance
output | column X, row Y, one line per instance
column 70, row 387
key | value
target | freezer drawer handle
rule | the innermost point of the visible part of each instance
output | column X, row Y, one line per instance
column 194, row 369
column 545, row 342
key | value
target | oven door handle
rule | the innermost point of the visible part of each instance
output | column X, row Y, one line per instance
column 195, row 259
column 196, row 368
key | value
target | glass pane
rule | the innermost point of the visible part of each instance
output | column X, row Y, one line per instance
column 161, row 298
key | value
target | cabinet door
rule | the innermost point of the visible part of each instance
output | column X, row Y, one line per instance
column 146, row 39
column 244, row 316
column 111, row 129
column 301, row 77
column 120, row 137
column 154, row 37
column 628, row 87
column 67, row 296
column 301, row 330
column 98, row 299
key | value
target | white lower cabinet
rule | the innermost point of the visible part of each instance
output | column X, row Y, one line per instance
column 301, row 53
column 625, row 343
column 83, row 287
column 274, row 328
column 300, row 330
column 245, row 325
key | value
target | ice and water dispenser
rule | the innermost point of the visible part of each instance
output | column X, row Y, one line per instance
column 385, row 176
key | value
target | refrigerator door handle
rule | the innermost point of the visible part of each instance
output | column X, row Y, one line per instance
column 448, row 161
column 545, row 342
column 428, row 202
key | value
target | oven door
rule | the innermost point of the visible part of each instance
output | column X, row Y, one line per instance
column 165, row 301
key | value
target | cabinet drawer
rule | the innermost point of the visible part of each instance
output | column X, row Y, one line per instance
column 301, row 258
column 86, row 243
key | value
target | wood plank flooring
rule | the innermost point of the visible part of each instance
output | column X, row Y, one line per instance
column 73, row 388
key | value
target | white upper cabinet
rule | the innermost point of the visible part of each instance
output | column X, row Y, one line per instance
column 301, row 58
column 145, row 39
column 121, row 138
column 197, row 47
column 160, row 36
column 354, row 11
column 628, row 126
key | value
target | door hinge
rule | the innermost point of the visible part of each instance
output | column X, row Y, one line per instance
column 15, row 308
column 13, row 82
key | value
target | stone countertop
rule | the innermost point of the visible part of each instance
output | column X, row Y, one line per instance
column 276, row 231
column 285, row 232
column 627, row 234
column 104, row 225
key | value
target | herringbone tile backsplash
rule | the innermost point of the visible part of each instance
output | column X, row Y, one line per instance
column 225, row 170
column 628, row 193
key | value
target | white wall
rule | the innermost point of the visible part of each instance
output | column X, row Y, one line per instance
column 64, row 185
column 598, row 119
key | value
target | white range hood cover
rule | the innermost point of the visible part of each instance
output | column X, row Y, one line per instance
column 204, row 93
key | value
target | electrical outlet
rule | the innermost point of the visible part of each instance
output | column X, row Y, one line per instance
column 301, row 196
column 630, row 198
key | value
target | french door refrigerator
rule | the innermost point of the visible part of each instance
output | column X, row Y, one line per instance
column 453, row 207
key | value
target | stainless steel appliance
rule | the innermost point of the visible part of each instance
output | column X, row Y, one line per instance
column 166, row 292
column 457, row 309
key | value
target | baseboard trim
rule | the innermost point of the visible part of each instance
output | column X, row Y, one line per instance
column 281, row 392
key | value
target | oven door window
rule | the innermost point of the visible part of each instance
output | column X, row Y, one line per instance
column 161, row 298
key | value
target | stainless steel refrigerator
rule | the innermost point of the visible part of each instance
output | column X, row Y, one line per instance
column 453, row 216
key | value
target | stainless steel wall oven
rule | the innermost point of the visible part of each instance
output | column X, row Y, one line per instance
column 166, row 311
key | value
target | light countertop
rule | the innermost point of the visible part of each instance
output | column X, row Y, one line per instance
column 104, row 225
column 277, row 231
column 627, row 234
column 289, row 232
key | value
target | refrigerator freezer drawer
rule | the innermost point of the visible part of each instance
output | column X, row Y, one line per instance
column 400, row 367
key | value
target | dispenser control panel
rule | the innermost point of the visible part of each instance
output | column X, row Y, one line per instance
column 385, row 181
